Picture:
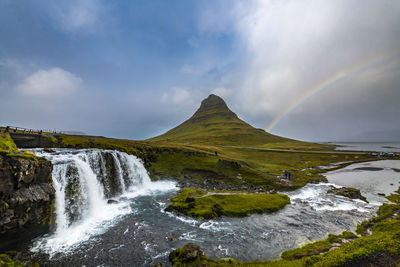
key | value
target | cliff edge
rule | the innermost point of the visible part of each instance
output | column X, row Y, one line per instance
column 26, row 196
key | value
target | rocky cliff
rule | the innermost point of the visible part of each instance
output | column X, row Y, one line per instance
column 26, row 198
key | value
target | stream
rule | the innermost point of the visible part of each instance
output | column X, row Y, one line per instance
column 109, row 213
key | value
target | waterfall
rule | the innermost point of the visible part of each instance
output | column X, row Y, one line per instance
column 93, row 187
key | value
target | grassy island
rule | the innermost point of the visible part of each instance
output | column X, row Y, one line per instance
column 209, row 204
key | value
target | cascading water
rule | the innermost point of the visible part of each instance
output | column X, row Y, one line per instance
column 85, row 182
column 137, row 231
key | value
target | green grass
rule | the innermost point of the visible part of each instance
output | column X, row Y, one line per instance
column 7, row 144
column 317, row 247
column 8, row 147
column 191, row 162
column 194, row 202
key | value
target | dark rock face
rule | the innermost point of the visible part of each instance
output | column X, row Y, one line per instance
column 27, row 140
column 212, row 102
column 112, row 201
column 26, row 198
column 211, row 106
column 189, row 253
column 109, row 177
column 348, row 192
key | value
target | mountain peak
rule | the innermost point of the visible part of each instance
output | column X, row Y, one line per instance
column 212, row 102
column 215, row 123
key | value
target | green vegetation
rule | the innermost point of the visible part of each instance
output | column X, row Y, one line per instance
column 8, row 147
column 318, row 247
column 386, row 211
column 206, row 205
column 7, row 261
column 233, row 168
column 78, row 142
column 7, row 144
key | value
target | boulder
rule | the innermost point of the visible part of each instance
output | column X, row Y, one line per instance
column 189, row 253
column 349, row 192
column 112, row 201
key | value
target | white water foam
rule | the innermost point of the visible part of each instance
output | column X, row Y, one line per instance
column 82, row 171
column 315, row 195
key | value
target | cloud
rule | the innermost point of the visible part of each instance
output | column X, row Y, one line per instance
column 178, row 96
column 286, row 48
column 51, row 83
column 221, row 91
column 82, row 15
column 291, row 46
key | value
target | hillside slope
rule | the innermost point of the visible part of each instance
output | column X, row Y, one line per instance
column 215, row 124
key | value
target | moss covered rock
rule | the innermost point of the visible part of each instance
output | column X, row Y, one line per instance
column 349, row 192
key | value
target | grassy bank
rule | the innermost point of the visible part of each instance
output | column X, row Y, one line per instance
column 206, row 205
column 220, row 167
column 7, row 144
column 8, row 147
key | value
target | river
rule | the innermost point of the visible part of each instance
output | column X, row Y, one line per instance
column 134, row 230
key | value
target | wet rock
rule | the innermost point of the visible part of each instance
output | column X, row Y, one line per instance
column 112, row 201
column 26, row 198
column 110, row 176
column 189, row 253
column 217, row 210
column 349, row 192
column 171, row 237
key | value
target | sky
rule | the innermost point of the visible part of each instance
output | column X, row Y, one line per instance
column 310, row 70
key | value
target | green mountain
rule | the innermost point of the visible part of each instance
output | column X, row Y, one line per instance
column 215, row 124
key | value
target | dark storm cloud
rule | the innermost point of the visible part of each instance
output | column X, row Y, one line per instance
column 292, row 47
column 135, row 69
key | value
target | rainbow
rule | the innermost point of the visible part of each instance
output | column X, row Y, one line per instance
column 338, row 76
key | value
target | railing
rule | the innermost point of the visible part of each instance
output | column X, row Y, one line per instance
column 15, row 129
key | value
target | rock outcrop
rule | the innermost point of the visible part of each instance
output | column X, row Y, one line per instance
column 349, row 192
column 188, row 254
column 26, row 198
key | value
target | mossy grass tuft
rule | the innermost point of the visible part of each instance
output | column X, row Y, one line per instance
column 8, row 147
column 7, row 144
column 201, row 204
